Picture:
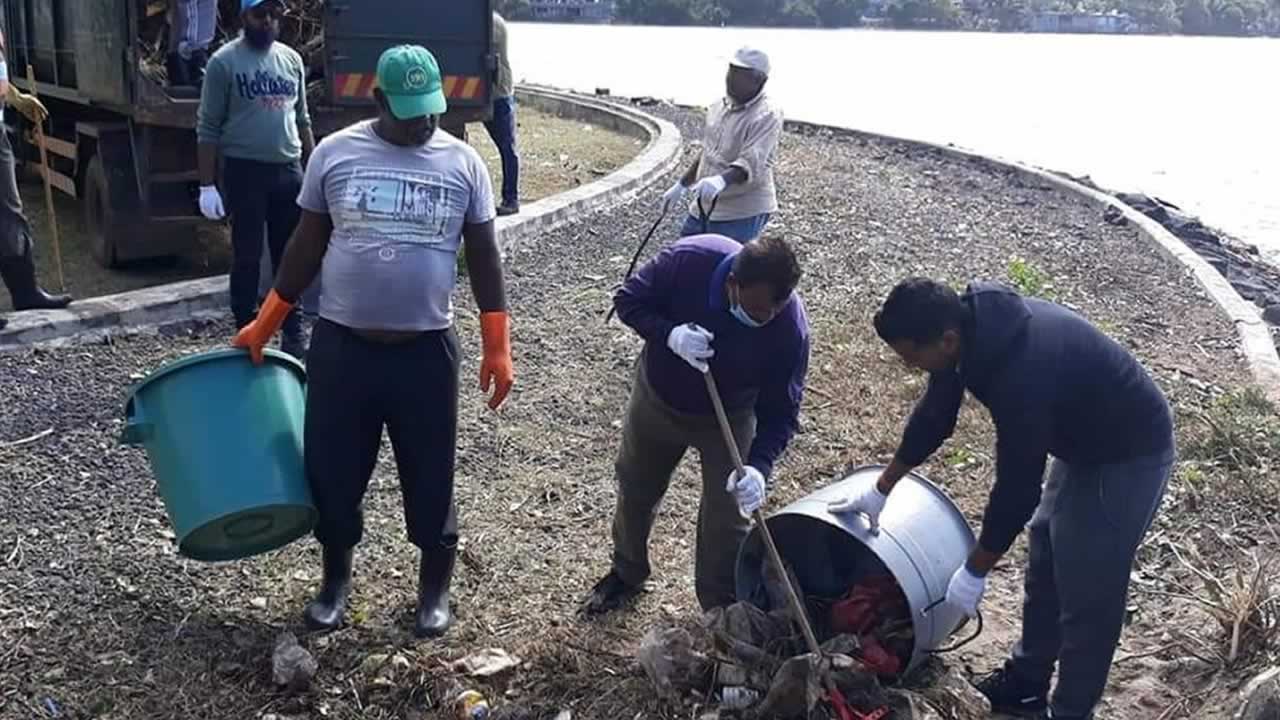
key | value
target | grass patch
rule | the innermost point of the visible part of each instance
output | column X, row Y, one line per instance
column 961, row 458
column 1239, row 434
column 1029, row 279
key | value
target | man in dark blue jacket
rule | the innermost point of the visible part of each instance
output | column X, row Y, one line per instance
column 705, row 302
column 1054, row 385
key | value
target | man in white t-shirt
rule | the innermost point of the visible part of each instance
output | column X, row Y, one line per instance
column 386, row 206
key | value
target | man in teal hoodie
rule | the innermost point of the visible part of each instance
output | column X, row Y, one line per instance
column 253, row 112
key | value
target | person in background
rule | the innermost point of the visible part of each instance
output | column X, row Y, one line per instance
column 191, row 27
column 386, row 206
column 1055, row 386
column 502, row 127
column 705, row 303
column 253, row 111
column 17, row 249
column 732, row 180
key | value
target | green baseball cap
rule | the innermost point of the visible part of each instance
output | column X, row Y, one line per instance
column 410, row 78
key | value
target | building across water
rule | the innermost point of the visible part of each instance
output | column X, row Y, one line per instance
column 586, row 11
column 1074, row 22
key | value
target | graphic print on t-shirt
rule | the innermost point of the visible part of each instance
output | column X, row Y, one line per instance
column 273, row 92
column 382, row 206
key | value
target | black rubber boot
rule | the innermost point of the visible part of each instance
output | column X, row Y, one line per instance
column 19, row 275
column 609, row 594
column 434, row 575
column 326, row 610
column 1012, row 695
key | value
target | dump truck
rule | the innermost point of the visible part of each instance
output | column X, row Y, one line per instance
column 124, row 145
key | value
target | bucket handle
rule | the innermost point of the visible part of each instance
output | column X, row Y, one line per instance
column 137, row 429
column 962, row 643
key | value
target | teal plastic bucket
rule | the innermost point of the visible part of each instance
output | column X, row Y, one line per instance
column 224, row 439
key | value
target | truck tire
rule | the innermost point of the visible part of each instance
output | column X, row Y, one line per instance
column 99, row 217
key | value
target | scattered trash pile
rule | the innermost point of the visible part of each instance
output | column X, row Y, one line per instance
column 302, row 28
column 754, row 662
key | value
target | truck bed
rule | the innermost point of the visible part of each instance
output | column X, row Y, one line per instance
column 91, row 53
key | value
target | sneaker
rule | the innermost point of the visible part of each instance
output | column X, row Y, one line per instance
column 608, row 595
column 1010, row 695
column 505, row 210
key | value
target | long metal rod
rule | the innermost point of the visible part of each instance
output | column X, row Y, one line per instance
column 636, row 258
column 792, row 597
column 843, row 710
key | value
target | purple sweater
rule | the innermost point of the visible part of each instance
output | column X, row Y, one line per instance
column 762, row 368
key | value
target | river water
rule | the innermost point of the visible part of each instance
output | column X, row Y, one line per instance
column 1195, row 121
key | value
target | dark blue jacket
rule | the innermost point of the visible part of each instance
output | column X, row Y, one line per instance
column 761, row 368
column 1055, row 385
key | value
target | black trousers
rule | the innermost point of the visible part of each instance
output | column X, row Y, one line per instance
column 259, row 196
column 355, row 387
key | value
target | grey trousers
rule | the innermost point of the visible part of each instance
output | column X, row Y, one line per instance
column 15, row 231
column 654, row 438
column 1083, row 540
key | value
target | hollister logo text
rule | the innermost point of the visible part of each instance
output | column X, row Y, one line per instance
column 273, row 91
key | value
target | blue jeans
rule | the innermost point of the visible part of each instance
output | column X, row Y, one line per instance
column 1082, row 542
column 743, row 230
column 502, row 128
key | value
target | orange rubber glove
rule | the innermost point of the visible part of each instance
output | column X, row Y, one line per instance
column 258, row 333
column 495, row 331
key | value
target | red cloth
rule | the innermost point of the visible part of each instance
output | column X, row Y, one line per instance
column 877, row 658
column 866, row 604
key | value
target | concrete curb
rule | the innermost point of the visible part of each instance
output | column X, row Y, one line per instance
column 1255, row 336
column 175, row 303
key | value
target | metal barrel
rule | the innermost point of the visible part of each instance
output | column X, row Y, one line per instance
column 922, row 539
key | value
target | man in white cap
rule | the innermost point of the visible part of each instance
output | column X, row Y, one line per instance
column 732, row 181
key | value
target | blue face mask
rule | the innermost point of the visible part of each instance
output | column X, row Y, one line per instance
column 744, row 318
column 741, row 315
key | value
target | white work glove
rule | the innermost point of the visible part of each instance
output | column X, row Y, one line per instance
column 867, row 500
column 748, row 490
column 693, row 344
column 211, row 203
column 965, row 591
column 709, row 187
column 675, row 194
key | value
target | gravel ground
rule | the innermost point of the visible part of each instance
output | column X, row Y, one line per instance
column 557, row 154
column 100, row 618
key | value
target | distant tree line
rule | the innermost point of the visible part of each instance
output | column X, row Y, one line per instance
column 1192, row 17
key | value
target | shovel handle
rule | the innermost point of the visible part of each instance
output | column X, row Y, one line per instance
column 793, row 598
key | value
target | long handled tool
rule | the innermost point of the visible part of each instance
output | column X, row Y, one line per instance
column 48, row 185
column 643, row 243
column 837, row 698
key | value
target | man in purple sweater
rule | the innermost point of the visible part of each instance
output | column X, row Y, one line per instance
column 705, row 303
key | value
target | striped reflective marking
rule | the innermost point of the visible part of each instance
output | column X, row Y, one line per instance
column 360, row 85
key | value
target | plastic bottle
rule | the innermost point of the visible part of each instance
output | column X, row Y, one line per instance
column 471, row 705
column 738, row 698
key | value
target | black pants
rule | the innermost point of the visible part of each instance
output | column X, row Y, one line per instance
column 354, row 388
column 259, row 196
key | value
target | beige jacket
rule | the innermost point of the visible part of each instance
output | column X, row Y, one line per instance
column 743, row 136
column 504, row 85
